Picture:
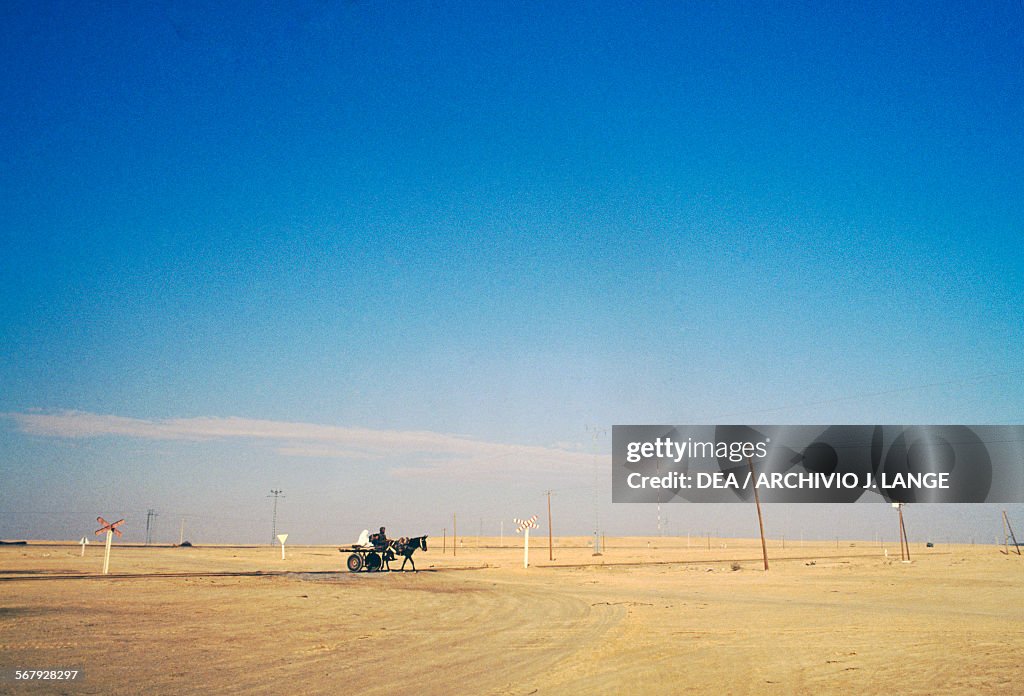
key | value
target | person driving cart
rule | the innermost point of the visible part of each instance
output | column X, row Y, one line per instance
column 382, row 545
column 379, row 540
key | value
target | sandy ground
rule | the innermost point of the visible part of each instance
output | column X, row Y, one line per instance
column 647, row 617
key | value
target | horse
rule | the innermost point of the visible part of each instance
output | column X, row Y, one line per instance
column 406, row 547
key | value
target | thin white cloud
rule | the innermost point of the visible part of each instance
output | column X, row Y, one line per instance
column 314, row 451
column 430, row 453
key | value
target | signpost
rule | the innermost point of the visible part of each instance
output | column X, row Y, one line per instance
column 83, row 542
column 281, row 538
column 525, row 526
column 110, row 528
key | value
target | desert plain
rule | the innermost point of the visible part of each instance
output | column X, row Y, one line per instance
column 663, row 615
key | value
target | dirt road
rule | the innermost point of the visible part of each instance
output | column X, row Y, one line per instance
column 665, row 621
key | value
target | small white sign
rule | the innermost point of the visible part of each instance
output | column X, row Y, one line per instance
column 281, row 538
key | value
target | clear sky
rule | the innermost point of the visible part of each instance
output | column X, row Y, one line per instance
column 395, row 258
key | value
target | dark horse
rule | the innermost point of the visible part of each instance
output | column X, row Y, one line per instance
column 406, row 547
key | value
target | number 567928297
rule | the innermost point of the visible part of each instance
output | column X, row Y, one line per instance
column 46, row 674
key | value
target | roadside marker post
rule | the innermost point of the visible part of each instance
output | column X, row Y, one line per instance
column 83, row 542
column 281, row 538
column 525, row 526
column 110, row 528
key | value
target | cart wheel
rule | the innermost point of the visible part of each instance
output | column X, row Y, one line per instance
column 373, row 561
column 354, row 563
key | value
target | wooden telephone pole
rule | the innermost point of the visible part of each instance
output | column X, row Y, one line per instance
column 760, row 519
column 904, row 541
column 551, row 546
column 1006, row 526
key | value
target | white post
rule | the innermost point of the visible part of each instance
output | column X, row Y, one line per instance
column 502, row 542
column 281, row 538
column 106, row 553
column 83, row 542
column 526, row 547
column 181, row 537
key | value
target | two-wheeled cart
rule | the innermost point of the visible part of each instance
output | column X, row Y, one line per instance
column 364, row 557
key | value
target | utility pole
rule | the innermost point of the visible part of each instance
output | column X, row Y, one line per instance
column 150, row 515
column 904, row 541
column 657, row 472
column 1006, row 521
column 595, row 433
column 1006, row 537
column 760, row 520
column 551, row 545
column 275, row 494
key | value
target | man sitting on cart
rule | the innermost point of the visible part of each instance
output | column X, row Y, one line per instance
column 382, row 545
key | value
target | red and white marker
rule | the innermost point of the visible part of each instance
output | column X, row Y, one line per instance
column 110, row 528
column 525, row 526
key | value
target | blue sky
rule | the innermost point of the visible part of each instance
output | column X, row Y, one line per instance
column 451, row 234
